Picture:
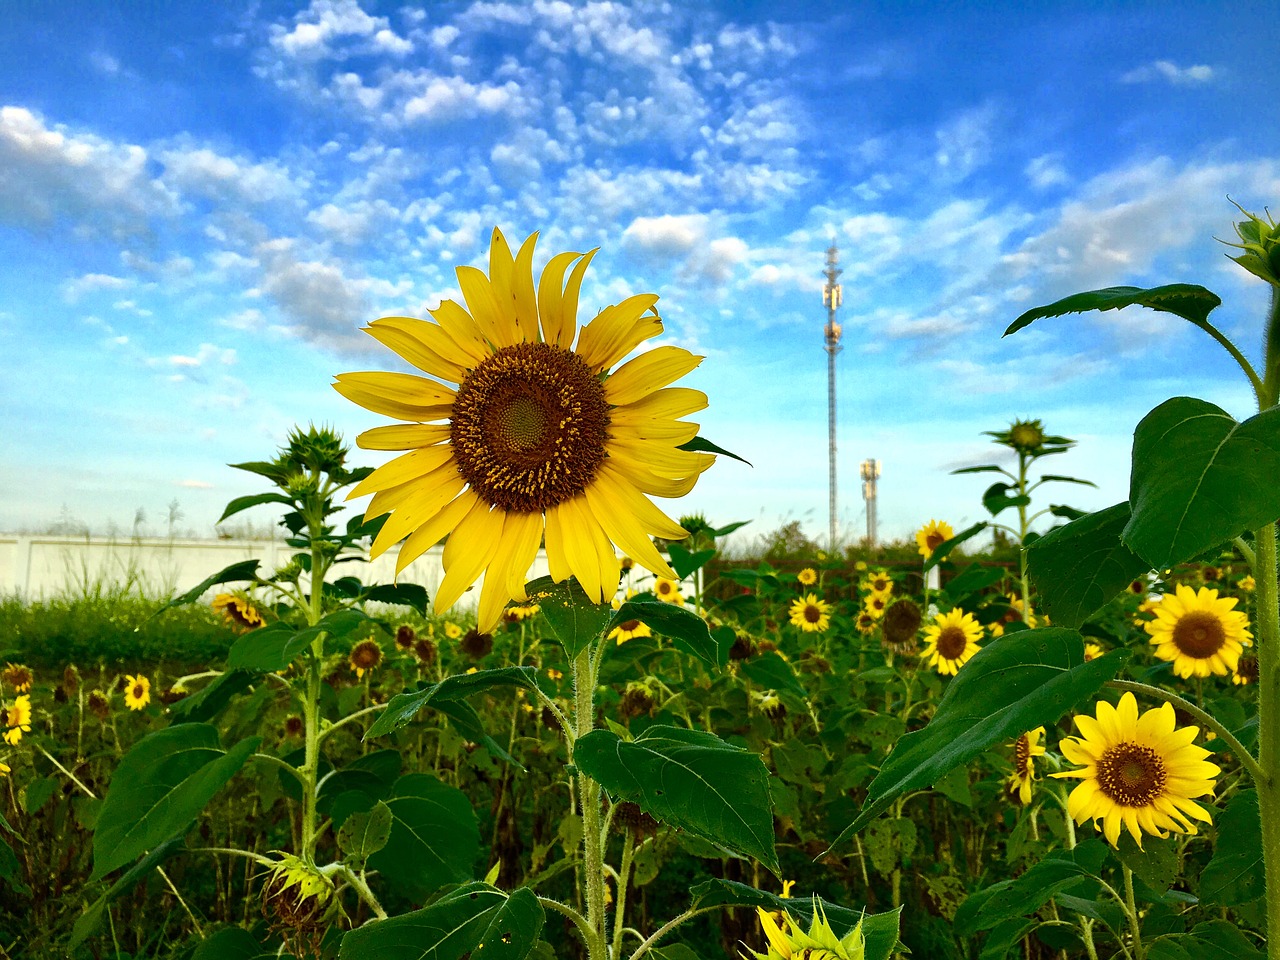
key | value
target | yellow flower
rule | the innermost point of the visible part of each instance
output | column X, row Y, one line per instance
column 810, row 614
column 452, row 630
column 878, row 583
column 807, row 577
column 518, row 612
column 1025, row 749
column 860, row 566
column 1138, row 773
column 18, row 720
column 18, row 676
column 819, row 942
column 539, row 441
column 933, row 535
column 1247, row 583
column 1246, row 671
column 5, row 769
column 876, row 604
column 1092, row 651
column 629, row 630
column 866, row 623
column 668, row 591
column 237, row 611
column 365, row 656
column 1198, row 632
column 554, row 674
column 137, row 692
column 950, row 641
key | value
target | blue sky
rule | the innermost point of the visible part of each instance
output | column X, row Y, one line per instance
column 201, row 204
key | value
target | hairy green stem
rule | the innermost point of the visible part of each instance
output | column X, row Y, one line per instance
column 1131, row 908
column 1268, row 629
column 584, row 688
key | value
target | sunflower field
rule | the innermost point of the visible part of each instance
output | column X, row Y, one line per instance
column 1064, row 746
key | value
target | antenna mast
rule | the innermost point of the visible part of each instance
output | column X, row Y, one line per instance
column 832, row 296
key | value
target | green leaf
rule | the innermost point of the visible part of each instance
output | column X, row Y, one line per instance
column 1081, row 565
column 159, row 788
column 943, row 549
column 277, row 645
column 997, row 499
column 236, row 573
column 1060, row 479
column 688, row 631
column 469, row 724
column 232, row 943
column 1212, row 940
column 273, row 470
column 1199, row 479
column 1021, row 681
column 686, row 562
column 365, row 832
column 434, row 839
column 985, row 468
column 880, row 929
column 1156, row 863
column 454, row 926
column 403, row 707
column 703, row 445
column 688, row 779
column 973, row 579
column 89, row 921
column 1024, row 895
column 770, row 671
column 402, row 594
column 1235, row 875
column 244, row 503
column 215, row 695
column 575, row 619
column 1186, row 300
column 728, row 528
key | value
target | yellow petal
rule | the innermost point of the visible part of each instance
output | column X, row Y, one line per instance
column 468, row 552
column 655, row 368
column 462, row 330
column 555, row 330
column 424, row 344
column 611, row 508
column 671, row 402
column 672, row 433
column 400, row 395
column 522, row 289
column 646, row 481
column 557, row 560
column 403, row 436
column 433, row 494
column 434, row 530
column 522, row 535
column 406, row 467
column 660, row 459
column 495, row 319
column 618, row 330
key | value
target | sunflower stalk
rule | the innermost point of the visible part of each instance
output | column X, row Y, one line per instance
column 584, row 688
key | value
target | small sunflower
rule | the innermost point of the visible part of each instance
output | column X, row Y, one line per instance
column 1247, row 583
column 5, row 769
column 900, row 624
column 18, row 676
column 405, row 637
column 1025, row 749
column 137, row 692
column 1199, row 632
column 99, row 704
column 860, row 566
column 789, row 942
column 424, row 648
column 876, row 604
column 1246, row 670
column 476, row 644
column 950, row 641
column 629, row 630
column 1139, row 773
column 878, row 583
column 807, row 577
column 866, row 624
column 933, row 535
column 1092, row 651
column 18, row 720
column 365, row 656
column 1027, row 436
column 668, row 591
column 237, row 611
column 538, row 441
column 810, row 614
column 452, row 630
column 519, row 612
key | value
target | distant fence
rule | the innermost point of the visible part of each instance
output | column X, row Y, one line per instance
column 35, row 567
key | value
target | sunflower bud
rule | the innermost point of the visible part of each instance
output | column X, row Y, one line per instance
column 1260, row 241
column 299, row 904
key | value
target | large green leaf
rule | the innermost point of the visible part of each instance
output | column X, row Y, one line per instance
column 89, row 921
column 1211, row 940
column 942, row 550
column 236, row 573
column 233, row 943
column 574, row 618
column 1188, row 300
column 206, row 704
column 1021, row 681
column 1199, row 479
column 404, row 594
column 159, row 788
column 1027, row 893
column 688, row 779
column 880, row 929
column 365, row 832
column 1235, row 875
column 1081, row 565
column 253, row 500
column 434, row 840
column 688, row 631
column 455, row 926
column 687, row 562
column 773, row 673
column 276, row 646
column 403, row 707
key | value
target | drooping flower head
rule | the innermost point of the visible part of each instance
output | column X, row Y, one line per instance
column 629, row 630
column 789, row 942
column 950, row 641
column 933, row 535
column 365, row 656
column 810, row 614
column 1139, row 773
column 237, row 611
column 518, row 434
column 1199, row 632
column 17, row 719
column 1025, row 749
column 17, row 676
column 137, row 692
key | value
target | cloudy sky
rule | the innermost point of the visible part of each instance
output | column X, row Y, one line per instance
column 201, row 204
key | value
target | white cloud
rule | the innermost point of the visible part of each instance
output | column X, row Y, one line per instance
column 206, row 355
column 195, row 484
column 666, row 236
column 91, row 283
column 453, row 98
column 325, row 22
column 964, row 143
column 200, row 170
column 96, row 187
column 323, row 303
column 1168, row 71
column 1047, row 171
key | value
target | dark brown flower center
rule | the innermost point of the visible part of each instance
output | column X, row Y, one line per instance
column 812, row 613
column 934, row 541
column 627, row 626
column 951, row 643
column 1131, row 775
column 366, row 655
column 139, row 691
column 529, row 426
column 1199, row 634
column 1247, row 669
column 1022, row 755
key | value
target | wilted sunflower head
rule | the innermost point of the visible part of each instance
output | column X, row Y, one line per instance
column 424, row 648
column 526, row 431
column 476, row 644
column 17, row 676
column 99, row 704
column 365, row 656
column 299, row 904
column 405, row 637
column 900, row 625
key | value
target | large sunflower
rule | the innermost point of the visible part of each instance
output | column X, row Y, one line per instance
column 539, row 439
column 1139, row 773
column 933, row 535
column 950, row 641
column 1199, row 632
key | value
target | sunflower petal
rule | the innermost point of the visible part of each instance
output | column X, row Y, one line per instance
column 403, row 436
column 434, row 530
column 642, row 375
column 462, row 329
column 522, row 289
column 468, row 551
column 432, row 494
column 610, row 508
column 619, row 329
column 413, row 348
column 495, row 319
column 557, row 329
column 670, row 402
column 403, row 468
column 399, row 395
